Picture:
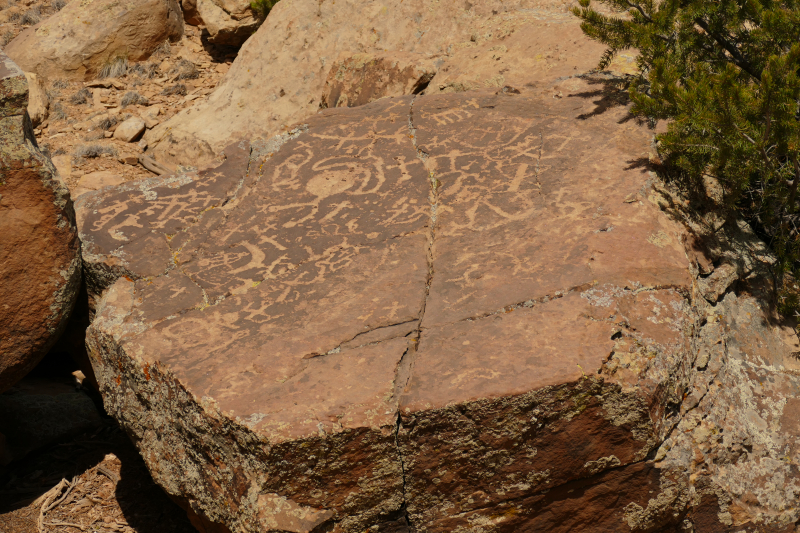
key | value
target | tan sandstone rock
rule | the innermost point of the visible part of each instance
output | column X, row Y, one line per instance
column 229, row 22
column 94, row 181
column 279, row 76
column 443, row 311
column 39, row 249
column 78, row 41
column 38, row 102
column 130, row 129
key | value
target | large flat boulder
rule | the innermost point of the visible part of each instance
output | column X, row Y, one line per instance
column 400, row 311
column 285, row 65
column 78, row 41
column 40, row 264
column 470, row 312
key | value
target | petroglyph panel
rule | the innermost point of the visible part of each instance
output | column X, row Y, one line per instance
column 529, row 205
column 466, row 312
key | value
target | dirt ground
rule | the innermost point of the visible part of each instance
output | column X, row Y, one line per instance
column 92, row 481
column 105, row 488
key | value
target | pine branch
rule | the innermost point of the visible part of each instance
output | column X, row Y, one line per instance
column 738, row 58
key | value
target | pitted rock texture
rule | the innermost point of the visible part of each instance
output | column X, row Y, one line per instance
column 40, row 265
column 363, row 78
column 462, row 312
column 492, row 43
column 78, row 41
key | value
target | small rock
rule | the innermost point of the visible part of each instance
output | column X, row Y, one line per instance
column 108, row 134
column 129, row 160
column 150, row 116
column 142, row 144
column 130, row 130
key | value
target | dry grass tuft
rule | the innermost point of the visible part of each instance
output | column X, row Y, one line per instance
column 81, row 97
column 114, row 68
column 133, row 98
column 179, row 89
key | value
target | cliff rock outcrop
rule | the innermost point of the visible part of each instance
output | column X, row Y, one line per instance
column 40, row 265
column 458, row 312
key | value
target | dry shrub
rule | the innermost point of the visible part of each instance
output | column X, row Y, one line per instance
column 81, row 97
column 133, row 98
column 114, row 68
column 179, row 90
column 94, row 150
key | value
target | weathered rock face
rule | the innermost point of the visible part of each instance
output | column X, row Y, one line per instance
column 96, row 180
column 363, row 78
column 279, row 79
column 466, row 311
column 39, row 249
column 79, row 40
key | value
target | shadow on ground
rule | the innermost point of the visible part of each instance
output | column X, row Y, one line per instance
column 109, row 487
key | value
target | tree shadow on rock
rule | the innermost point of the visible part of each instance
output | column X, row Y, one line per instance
column 611, row 92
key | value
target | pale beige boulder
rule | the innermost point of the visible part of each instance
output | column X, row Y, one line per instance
column 278, row 78
column 94, row 181
column 130, row 129
column 38, row 102
column 86, row 35
column 228, row 23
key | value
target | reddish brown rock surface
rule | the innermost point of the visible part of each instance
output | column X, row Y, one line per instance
column 39, row 249
column 464, row 312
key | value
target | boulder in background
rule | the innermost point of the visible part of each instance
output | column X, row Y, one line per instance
column 84, row 37
column 278, row 78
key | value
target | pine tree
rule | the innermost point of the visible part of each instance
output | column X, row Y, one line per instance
column 725, row 75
